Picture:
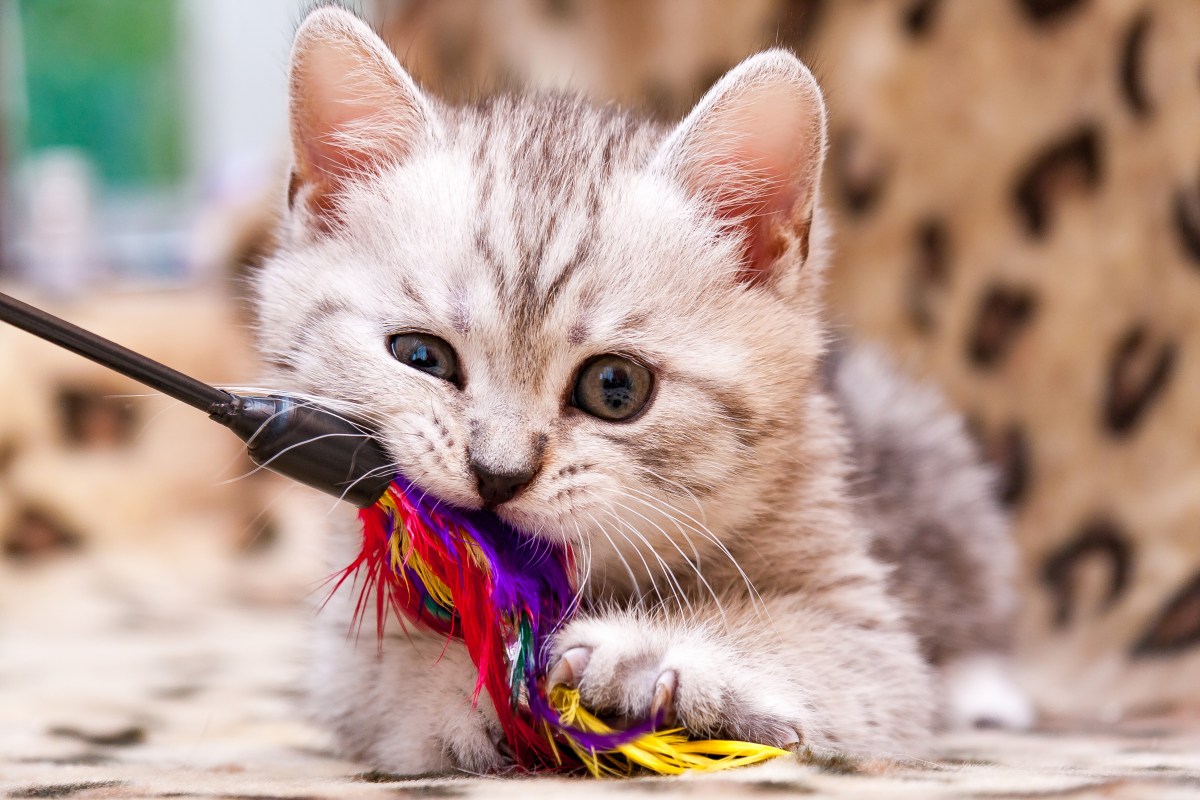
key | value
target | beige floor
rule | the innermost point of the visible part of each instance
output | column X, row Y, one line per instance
column 128, row 678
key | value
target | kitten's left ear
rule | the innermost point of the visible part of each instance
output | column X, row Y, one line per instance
column 753, row 148
column 354, row 110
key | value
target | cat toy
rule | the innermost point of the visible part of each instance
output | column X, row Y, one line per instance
column 462, row 573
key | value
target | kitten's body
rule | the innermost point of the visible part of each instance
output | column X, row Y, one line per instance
column 734, row 557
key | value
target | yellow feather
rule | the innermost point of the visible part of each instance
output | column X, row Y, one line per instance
column 401, row 555
column 667, row 752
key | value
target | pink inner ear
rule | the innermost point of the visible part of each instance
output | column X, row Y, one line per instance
column 763, row 212
column 340, row 97
column 757, row 155
column 354, row 110
column 330, row 155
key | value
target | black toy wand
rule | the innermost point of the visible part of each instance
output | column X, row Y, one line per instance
column 297, row 439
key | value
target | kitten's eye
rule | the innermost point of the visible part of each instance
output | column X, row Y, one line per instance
column 426, row 353
column 612, row 388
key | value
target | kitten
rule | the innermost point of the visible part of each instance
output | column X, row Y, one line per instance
column 611, row 334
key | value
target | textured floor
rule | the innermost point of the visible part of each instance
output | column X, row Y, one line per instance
column 120, row 681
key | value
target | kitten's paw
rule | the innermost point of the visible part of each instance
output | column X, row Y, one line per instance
column 983, row 694
column 479, row 747
column 631, row 675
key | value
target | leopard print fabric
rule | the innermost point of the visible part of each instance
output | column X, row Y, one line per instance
column 1017, row 190
column 1017, row 195
column 1031, row 246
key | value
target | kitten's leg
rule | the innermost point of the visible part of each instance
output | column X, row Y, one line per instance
column 803, row 675
column 406, row 707
column 932, row 507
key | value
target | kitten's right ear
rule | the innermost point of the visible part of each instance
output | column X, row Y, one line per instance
column 752, row 148
column 354, row 110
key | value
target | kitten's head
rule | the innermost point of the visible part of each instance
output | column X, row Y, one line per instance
column 602, row 329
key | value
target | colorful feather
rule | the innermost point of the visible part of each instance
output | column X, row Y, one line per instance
column 470, row 576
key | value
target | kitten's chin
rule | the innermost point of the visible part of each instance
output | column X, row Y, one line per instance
column 538, row 525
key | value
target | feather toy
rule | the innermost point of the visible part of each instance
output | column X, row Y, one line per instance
column 469, row 576
column 463, row 574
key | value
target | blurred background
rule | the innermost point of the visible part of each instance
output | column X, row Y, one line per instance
column 1016, row 188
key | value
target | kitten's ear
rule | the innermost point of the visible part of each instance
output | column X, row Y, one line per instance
column 753, row 148
column 354, row 110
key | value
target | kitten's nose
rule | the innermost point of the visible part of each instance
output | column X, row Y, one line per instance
column 500, row 487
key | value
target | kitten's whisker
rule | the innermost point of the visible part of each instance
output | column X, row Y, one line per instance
column 672, row 580
column 258, row 467
column 636, row 588
column 752, row 590
column 723, row 421
column 334, row 406
column 703, row 530
column 582, row 580
column 391, row 468
column 694, row 565
column 687, row 491
column 267, row 464
column 676, row 590
column 266, row 509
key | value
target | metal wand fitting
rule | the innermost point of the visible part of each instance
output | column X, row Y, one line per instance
column 297, row 439
column 309, row 444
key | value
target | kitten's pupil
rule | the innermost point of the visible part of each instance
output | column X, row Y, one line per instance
column 421, row 358
column 426, row 353
column 612, row 388
column 615, row 386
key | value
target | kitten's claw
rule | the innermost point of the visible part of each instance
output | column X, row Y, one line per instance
column 504, row 749
column 570, row 668
column 630, row 672
column 662, row 708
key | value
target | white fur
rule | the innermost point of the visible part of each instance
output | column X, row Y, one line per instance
column 982, row 692
column 716, row 531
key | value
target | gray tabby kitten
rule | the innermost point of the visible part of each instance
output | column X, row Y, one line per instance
column 611, row 334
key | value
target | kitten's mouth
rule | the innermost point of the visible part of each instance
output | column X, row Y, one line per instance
column 553, row 533
column 514, row 513
column 535, row 525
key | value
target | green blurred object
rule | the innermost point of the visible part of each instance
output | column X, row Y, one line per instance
column 103, row 76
